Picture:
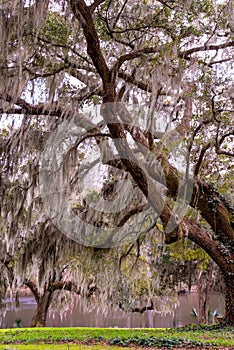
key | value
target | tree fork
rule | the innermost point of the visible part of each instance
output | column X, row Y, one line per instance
column 221, row 222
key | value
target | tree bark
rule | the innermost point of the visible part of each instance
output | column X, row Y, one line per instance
column 43, row 301
column 200, row 297
column 208, row 290
column 205, row 284
column 40, row 315
column 222, row 257
column 229, row 298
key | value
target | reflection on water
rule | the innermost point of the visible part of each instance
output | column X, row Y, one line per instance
column 76, row 317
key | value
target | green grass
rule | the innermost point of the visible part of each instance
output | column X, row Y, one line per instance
column 89, row 338
column 59, row 347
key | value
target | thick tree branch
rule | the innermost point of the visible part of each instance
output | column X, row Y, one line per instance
column 138, row 83
column 186, row 53
column 218, row 216
column 32, row 286
column 200, row 159
column 204, row 239
column 35, row 75
column 132, row 55
column 143, row 308
column 215, row 210
column 65, row 285
column 83, row 14
column 30, row 109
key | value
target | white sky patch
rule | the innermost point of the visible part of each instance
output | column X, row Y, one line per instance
column 9, row 122
column 35, row 92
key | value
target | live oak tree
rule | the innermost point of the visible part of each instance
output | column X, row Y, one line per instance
column 173, row 58
column 56, row 270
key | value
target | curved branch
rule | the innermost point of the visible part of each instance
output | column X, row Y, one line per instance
column 32, row 286
column 131, row 80
column 132, row 55
column 200, row 159
column 47, row 74
column 203, row 239
column 87, row 136
column 186, row 53
column 198, row 128
column 219, row 143
column 65, row 285
column 144, row 308
column 219, row 61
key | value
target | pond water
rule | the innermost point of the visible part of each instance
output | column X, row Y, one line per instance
column 76, row 317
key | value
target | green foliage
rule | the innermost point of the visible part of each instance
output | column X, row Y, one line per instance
column 156, row 342
column 56, row 29
column 188, row 251
column 191, row 336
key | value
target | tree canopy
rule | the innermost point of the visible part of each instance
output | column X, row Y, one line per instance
column 109, row 102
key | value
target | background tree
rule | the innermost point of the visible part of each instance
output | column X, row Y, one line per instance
column 173, row 58
column 195, row 268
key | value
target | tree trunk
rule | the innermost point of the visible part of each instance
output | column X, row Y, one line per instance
column 39, row 317
column 205, row 283
column 17, row 303
column 200, row 297
column 190, row 277
column 229, row 298
column 208, row 291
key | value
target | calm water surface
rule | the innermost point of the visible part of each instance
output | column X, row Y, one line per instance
column 77, row 317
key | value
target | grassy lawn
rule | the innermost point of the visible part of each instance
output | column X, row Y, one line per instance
column 60, row 347
column 102, row 338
